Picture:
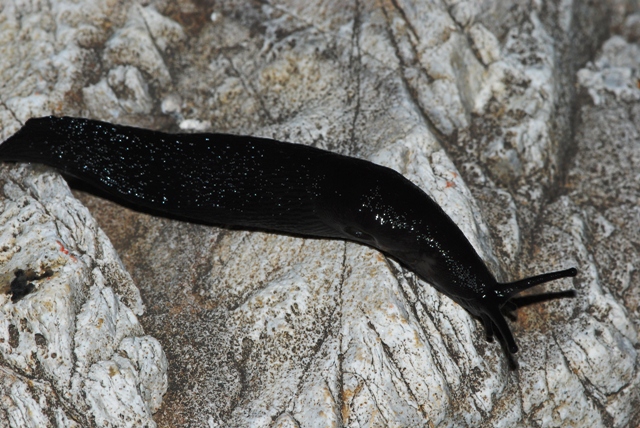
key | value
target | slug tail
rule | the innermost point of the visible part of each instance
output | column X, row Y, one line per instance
column 508, row 290
column 10, row 148
column 26, row 144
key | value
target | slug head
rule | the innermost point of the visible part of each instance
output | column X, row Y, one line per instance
column 489, row 306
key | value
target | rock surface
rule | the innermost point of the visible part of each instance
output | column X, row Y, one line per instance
column 73, row 351
column 520, row 118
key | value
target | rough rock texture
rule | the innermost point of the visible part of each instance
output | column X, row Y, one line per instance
column 73, row 352
column 520, row 118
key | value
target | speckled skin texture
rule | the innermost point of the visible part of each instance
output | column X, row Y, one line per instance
column 274, row 186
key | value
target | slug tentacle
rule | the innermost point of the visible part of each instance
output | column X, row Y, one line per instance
column 510, row 289
column 503, row 328
column 261, row 183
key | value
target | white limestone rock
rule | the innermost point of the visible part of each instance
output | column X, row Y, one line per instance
column 78, row 322
column 471, row 100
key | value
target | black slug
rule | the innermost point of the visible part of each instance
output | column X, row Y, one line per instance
column 283, row 187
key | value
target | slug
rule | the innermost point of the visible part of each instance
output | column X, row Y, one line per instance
column 260, row 183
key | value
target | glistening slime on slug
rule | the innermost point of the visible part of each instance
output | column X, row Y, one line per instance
column 275, row 186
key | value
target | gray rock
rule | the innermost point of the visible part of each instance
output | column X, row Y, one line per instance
column 73, row 351
column 518, row 118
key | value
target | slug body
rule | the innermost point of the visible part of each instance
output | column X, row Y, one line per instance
column 266, row 184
